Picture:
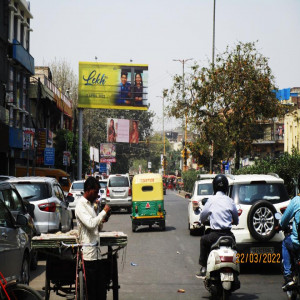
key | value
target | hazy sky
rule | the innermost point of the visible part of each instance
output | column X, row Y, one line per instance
column 156, row 32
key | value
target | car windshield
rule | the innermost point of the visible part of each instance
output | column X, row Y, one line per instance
column 33, row 191
column 205, row 189
column 250, row 193
column 103, row 184
column 119, row 181
column 77, row 186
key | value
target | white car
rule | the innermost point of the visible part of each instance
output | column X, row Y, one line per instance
column 103, row 187
column 258, row 198
column 76, row 190
column 202, row 190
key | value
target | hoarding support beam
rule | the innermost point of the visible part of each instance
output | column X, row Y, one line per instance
column 80, row 122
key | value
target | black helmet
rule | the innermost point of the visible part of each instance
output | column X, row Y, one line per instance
column 220, row 183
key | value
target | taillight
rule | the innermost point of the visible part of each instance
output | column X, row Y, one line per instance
column 70, row 194
column 226, row 259
column 48, row 207
column 159, row 208
column 240, row 211
column 136, row 209
column 282, row 209
column 129, row 192
column 107, row 192
column 195, row 204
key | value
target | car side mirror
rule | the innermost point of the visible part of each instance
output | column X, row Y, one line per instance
column 21, row 220
column 29, row 207
column 70, row 199
column 203, row 201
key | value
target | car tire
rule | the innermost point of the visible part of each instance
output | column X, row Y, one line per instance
column 34, row 260
column 261, row 221
column 25, row 270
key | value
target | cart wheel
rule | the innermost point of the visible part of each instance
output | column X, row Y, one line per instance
column 47, row 288
column 81, row 286
column 134, row 228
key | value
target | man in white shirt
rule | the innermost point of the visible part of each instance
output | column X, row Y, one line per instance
column 89, row 224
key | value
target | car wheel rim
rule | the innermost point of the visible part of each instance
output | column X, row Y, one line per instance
column 263, row 221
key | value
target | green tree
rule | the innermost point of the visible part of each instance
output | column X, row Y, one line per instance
column 225, row 99
column 287, row 167
column 63, row 141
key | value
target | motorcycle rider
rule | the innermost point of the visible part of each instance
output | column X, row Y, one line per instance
column 222, row 213
column 290, row 244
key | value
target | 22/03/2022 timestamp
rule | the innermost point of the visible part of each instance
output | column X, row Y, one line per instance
column 254, row 258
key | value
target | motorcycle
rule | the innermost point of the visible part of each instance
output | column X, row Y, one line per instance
column 293, row 291
column 222, row 269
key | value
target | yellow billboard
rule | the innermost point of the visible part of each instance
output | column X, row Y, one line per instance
column 113, row 86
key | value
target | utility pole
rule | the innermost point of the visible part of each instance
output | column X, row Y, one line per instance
column 183, row 61
column 163, row 125
column 213, row 67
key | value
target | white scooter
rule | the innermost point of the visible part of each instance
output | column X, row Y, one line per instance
column 222, row 269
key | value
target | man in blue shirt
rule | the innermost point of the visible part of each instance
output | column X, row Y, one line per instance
column 125, row 91
column 222, row 213
column 290, row 245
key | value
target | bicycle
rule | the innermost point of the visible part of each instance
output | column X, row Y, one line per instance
column 80, row 277
column 17, row 291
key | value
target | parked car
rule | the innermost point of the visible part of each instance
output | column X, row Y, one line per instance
column 118, row 193
column 14, row 246
column 52, row 212
column 5, row 177
column 75, row 191
column 14, row 202
column 202, row 190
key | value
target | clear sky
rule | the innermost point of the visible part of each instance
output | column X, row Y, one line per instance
column 156, row 32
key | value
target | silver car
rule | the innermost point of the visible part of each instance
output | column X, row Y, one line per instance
column 14, row 246
column 51, row 212
column 119, row 193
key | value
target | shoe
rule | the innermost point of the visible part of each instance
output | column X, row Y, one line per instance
column 202, row 273
column 288, row 283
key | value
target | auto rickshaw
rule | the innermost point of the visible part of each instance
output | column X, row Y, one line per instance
column 148, row 201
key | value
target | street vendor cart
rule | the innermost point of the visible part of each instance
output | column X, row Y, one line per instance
column 64, row 272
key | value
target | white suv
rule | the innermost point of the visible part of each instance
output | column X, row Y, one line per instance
column 118, row 192
column 258, row 198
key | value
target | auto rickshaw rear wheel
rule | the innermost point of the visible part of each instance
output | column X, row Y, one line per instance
column 162, row 225
column 134, row 227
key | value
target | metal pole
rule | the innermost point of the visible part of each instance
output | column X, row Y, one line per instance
column 213, row 67
column 80, row 121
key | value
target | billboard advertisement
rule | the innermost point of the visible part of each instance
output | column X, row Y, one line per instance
column 122, row 131
column 107, row 153
column 113, row 86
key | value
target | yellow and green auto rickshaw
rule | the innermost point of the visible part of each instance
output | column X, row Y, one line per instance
column 148, row 201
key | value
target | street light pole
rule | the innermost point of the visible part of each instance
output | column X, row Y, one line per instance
column 183, row 61
column 163, row 125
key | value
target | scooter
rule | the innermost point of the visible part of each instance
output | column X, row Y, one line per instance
column 222, row 269
column 294, row 290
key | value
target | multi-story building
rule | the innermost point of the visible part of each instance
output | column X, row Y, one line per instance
column 17, row 65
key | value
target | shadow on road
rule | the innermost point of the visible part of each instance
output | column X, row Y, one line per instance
column 154, row 229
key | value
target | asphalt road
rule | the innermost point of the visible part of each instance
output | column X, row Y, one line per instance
column 155, row 264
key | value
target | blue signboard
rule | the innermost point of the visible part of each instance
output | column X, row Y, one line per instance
column 49, row 156
column 102, row 168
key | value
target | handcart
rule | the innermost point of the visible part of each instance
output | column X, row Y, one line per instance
column 62, row 262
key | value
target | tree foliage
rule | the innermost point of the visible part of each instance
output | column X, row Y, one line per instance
column 287, row 167
column 224, row 101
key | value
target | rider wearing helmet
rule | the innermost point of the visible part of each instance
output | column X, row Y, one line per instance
column 222, row 213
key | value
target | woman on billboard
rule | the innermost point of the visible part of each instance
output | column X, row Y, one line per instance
column 134, row 133
column 138, row 89
column 111, row 133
